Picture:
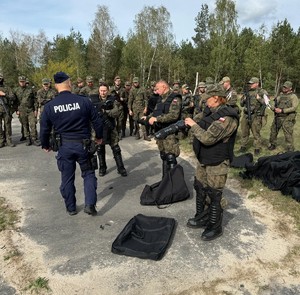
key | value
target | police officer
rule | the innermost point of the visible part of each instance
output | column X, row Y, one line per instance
column 214, row 131
column 254, row 104
column 284, row 116
column 70, row 115
column 167, row 111
column 7, row 100
column 27, row 110
column 107, row 107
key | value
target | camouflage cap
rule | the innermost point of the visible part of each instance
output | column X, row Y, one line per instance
column 224, row 79
column 288, row 84
column 214, row 90
column 253, row 80
column 201, row 85
column 89, row 79
column 185, row 86
column 46, row 81
column 116, row 78
column 79, row 80
column 127, row 83
column 22, row 79
column 176, row 87
column 153, row 83
column 176, row 82
column 135, row 80
column 209, row 80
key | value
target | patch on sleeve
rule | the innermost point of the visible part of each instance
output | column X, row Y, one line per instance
column 222, row 119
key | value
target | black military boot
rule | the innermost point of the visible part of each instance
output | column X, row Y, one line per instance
column 146, row 137
column 202, row 215
column 171, row 161
column 29, row 142
column 102, row 162
column 118, row 158
column 164, row 164
column 214, row 227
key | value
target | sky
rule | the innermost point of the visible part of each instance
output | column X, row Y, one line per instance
column 57, row 18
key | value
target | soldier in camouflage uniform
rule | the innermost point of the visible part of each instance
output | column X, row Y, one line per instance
column 200, row 99
column 27, row 111
column 137, row 105
column 167, row 111
column 214, row 131
column 7, row 100
column 187, row 102
column 285, row 106
column 44, row 94
column 253, row 122
column 90, row 88
column 124, row 100
column 78, row 86
column 110, row 134
column 117, row 88
column 231, row 94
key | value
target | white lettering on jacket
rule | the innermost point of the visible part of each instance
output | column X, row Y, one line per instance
column 67, row 107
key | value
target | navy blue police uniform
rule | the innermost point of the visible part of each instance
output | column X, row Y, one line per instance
column 70, row 116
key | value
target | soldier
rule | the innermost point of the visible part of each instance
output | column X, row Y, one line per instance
column 7, row 100
column 107, row 107
column 44, row 95
column 27, row 111
column 137, row 104
column 254, row 105
column 285, row 106
column 214, row 131
column 78, row 86
column 167, row 111
column 231, row 94
column 152, row 101
column 199, row 99
column 187, row 102
column 124, row 100
column 117, row 88
column 90, row 88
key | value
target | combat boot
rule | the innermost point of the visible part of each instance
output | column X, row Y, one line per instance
column 118, row 158
column 201, row 217
column 146, row 137
column 171, row 161
column 214, row 227
column 102, row 162
column 29, row 142
column 10, row 143
column 164, row 164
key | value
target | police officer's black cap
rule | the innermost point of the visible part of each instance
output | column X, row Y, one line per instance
column 60, row 77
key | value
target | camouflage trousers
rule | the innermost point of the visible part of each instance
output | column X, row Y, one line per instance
column 29, row 121
column 137, row 115
column 214, row 177
column 255, row 126
column 5, row 128
column 169, row 145
column 287, row 124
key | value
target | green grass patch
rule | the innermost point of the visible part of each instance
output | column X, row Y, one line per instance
column 38, row 285
column 8, row 217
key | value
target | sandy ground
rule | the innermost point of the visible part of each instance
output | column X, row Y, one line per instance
column 270, row 265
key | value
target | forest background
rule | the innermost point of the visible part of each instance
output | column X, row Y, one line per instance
column 219, row 47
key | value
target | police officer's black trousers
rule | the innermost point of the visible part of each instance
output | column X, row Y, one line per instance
column 214, row 226
column 68, row 154
column 202, row 214
column 102, row 161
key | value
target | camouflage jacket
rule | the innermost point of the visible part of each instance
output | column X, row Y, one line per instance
column 26, row 99
column 87, row 90
column 43, row 96
column 8, row 100
column 138, row 99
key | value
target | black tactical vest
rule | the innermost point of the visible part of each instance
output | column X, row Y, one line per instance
column 220, row 151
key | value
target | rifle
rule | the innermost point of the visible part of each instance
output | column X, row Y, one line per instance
column 4, row 106
column 248, row 104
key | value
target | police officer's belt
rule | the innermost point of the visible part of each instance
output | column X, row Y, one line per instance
column 72, row 140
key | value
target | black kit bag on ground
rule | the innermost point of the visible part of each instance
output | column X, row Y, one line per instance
column 172, row 188
column 242, row 161
column 145, row 237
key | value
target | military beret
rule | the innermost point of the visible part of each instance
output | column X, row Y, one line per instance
column 214, row 90
column 46, row 81
column 135, row 80
column 224, row 79
column 22, row 78
column 89, row 79
column 253, row 80
column 287, row 84
column 60, row 77
column 202, row 85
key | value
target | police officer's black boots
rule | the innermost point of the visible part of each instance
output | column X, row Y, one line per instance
column 202, row 215
column 171, row 161
column 118, row 158
column 163, row 157
column 214, row 227
column 102, row 162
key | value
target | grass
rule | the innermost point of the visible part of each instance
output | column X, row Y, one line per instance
column 8, row 217
column 38, row 285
